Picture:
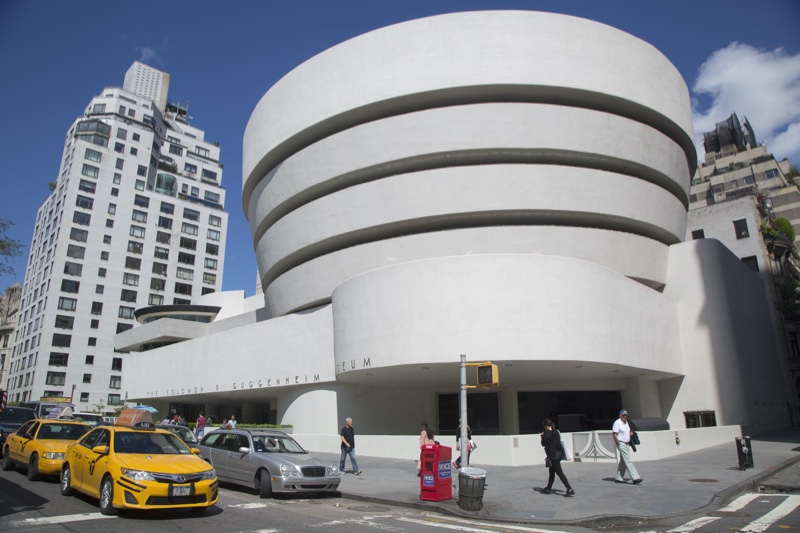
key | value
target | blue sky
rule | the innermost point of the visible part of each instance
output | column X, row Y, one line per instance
column 736, row 56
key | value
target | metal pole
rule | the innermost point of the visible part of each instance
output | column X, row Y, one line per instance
column 463, row 414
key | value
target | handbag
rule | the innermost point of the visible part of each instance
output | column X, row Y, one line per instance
column 547, row 462
column 565, row 453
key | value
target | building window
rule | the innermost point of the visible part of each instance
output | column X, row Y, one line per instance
column 114, row 191
column 104, row 256
column 121, row 326
column 155, row 299
column 195, row 192
column 130, row 279
column 62, row 339
column 99, row 289
column 141, row 170
column 97, row 308
column 212, row 249
column 128, row 295
column 139, row 216
column 79, row 217
column 67, row 304
column 112, row 209
column 189, row 229
column 211, row 279
column 70, row 285
column 207, row 290
column 87, row 186
column 142, row 201
column 120, row 164
column 210, row 264
column 167, row 208
column 209, row 174
column 95, row 324
column 84, row 202
column 191, row 214
column 190, row 244
column 134, row 263
column 119, row 148
column 135, row 247
column 751, row 262
column 117, row 178
column 115, row 382
column 64, row 322
column 163, row 238
column 93, row 155
column 76, row 251
column 109, row 222
column 134, row 151
column 92, row 341
column 89, row 170
column 160, row 269
column 211, row 196
column 73, row 269
column 214, row 220
column 99, row 108
column 84, row 397
column 106, row 239
column 59, row 359
column 136, row 231
column 139, row 185
column 183, row 288
column 165, row 222
column 185, row 273
column 157, row 284
column 125, row 312
column 700, row 419
column 190, row 169
column 177, row 150
column 161, row 253
column 114, row 399
column 740, row 227
column 122, row 133
column 89, row 360
column 56, row 378
column 185, row 258
column 87, row 378
column 116, row 364
column 80, row 235
column 213, row 235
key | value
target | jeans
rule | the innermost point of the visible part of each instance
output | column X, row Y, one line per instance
column 352, row 453
column 625, row 463
column 199, row 432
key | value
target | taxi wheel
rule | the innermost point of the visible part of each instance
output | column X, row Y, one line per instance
column 66, row 480
column 107, row 497
column 8, row 464
column 33, row 468
column 264, row 484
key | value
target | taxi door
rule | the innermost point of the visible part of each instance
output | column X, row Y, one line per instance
column 77, row 456
column 90, row 474
column 19, row 441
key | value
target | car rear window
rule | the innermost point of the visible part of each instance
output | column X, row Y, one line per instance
column 12, row 414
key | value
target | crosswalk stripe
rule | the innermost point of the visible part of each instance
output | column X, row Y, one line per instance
column 740, row 502
column 47, row 520
column 762, row 524
column 440, row 523
column 694, row 524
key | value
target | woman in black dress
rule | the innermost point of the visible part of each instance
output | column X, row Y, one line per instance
column 551, row 440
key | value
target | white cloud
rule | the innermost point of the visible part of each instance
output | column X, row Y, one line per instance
column 762, row 85
column 148, row 55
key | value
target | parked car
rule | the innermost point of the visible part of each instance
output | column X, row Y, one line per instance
column 267, row 460
column 11, row 419
column 93, row 419
column 138, row 467
column 183, row 432
column 39, row 445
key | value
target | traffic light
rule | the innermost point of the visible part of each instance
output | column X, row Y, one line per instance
column 488, row 375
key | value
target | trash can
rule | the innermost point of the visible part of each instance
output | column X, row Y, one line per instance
column 471, row 483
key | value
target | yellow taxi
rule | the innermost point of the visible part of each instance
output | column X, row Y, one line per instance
column 40, row 444
column 139, row 467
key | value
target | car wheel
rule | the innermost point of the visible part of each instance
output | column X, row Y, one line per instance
column 264, row 484
column 33, row 468
column 107, row 497
column 66, row 481
column 8, row 464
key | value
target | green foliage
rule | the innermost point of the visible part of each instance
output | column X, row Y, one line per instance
column 782, row 225
column 767, row 230
column 98, row 407
column 8, row 248
column 789, row 299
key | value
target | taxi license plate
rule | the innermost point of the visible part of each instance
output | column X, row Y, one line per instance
column 181, row 491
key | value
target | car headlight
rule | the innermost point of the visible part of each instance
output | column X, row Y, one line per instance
column 137, row 475
column 289, row 470
column 211, row 474
column 53, row 455
column 332, row 470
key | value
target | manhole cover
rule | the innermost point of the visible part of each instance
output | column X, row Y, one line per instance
column 369, row 508
column 704, row 480
column 733, row 514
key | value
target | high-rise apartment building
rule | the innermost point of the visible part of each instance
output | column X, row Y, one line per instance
column 136, row 218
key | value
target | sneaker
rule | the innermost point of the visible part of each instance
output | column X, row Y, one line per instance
column 570, row 492
column 358, row 473
column 619, row 481
column 637, row 481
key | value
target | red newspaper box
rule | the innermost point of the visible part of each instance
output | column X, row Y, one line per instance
column 435, row 481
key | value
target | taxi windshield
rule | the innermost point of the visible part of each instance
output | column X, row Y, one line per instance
column 149, row 442
column 62, row 431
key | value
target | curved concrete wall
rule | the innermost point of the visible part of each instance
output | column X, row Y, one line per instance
column 442, row 132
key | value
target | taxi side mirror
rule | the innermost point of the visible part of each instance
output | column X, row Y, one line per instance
column 244, row 449
column 102, row 450
column 195, row 451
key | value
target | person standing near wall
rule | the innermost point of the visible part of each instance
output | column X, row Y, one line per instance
column 622, row 437
column 425, row 437
column 200, row 426
column 348, row 446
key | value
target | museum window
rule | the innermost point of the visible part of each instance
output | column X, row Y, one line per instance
column 740, row 228
column 700, row 419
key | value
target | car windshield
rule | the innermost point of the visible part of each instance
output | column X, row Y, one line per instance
column 184, row 433
column 149, row 442
column 276, row 444
column 62, row 431
column 86, row 418
column 17, row 415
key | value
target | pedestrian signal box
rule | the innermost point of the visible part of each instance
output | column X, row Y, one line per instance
column 488, row 375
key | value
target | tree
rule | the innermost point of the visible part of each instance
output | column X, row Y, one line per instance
column 98, row 407
column 9, row 248
column 784, row 226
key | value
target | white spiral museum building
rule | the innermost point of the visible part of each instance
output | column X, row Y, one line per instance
column 508, row 185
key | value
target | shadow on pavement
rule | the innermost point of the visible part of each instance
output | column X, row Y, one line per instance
column 16, row 499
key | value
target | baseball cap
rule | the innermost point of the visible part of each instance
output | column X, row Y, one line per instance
column 623, row 412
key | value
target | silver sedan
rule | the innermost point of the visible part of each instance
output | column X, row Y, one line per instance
column 267, row 460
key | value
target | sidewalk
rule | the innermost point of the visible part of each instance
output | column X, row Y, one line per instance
column 694, row 482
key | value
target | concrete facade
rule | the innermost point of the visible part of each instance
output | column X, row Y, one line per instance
column 483, row 184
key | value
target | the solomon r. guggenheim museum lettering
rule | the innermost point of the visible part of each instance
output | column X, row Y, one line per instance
column 239, row 385
column 344, row 366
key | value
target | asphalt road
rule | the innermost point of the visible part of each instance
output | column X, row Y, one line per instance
column 38, row 506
